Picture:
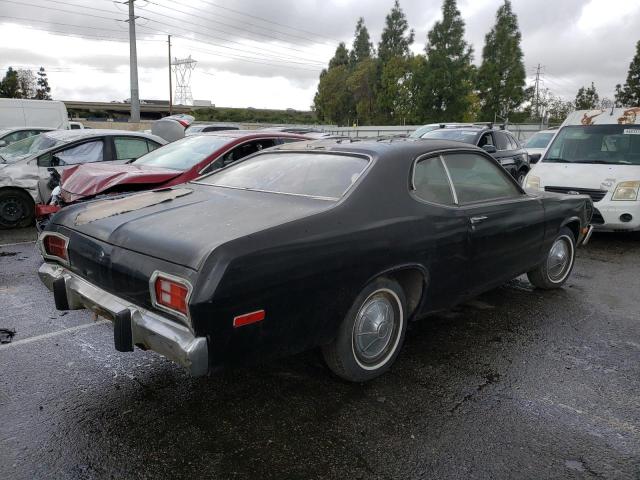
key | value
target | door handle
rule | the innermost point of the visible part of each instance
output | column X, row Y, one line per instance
column 476, row 220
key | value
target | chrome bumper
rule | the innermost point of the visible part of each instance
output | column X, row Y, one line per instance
column 147, row 329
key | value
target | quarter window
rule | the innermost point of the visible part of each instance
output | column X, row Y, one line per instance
column 130, row 148
column 430, row 182
column 477, row 179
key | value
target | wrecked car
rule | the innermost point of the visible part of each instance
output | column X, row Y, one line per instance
column 178, row 162
column 24, row 163
column 336, row 247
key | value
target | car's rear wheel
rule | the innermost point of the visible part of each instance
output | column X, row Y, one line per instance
column 371, row 335
column 554, row 271
column 16, row 209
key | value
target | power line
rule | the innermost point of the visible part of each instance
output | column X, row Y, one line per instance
column 200, row 15
column 272, row 53
column 268, row 21
column 275, row 56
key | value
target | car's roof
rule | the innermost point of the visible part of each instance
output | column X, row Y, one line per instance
column 16, row 129
column 385, row 148
column 253, row 133
column 71, row 135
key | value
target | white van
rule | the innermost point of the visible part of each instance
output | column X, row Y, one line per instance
column 596, row 152
column 33, row 113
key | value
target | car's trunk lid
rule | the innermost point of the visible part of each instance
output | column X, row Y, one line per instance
column 183, row 224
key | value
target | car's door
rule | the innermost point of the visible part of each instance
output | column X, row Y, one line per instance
column 520, row 157
column 505, row 153
column 89, row 151
column 442, row 234
column 505, row 225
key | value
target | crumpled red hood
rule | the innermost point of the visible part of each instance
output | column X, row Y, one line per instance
column 88, row 180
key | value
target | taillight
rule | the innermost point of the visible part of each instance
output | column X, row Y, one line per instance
column 54, row 246
column 171, row 293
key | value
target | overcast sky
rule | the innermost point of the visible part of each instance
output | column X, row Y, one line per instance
column 268, row 54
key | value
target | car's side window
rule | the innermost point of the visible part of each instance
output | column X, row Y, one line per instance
column 515, row 145
column 502, row 143
column 130, row 148
column 477, row 179
column 151, row 145
column 430, row 182
column 88, row 152
column 485, row 140
column 246, row 149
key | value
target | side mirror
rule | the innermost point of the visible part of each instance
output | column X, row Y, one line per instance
column 3, row 143
column 489, row 148
column 535, row 158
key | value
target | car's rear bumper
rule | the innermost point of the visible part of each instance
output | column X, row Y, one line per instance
column 133, row 325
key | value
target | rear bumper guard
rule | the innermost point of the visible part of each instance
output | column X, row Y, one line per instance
column 133, row 325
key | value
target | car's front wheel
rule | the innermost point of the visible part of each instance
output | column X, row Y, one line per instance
column 554, row 271
column 371, row 335
column 16, row 209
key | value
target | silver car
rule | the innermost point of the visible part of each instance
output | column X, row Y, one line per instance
column 24, row 163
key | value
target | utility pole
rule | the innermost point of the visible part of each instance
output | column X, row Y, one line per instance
column 170, row 86
column 133, row 65
column 538, row 90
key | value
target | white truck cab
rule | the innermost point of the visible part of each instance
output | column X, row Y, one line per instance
column 596, row 152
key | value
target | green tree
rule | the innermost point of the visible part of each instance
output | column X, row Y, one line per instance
column 501, row 77
column 448, row 73
column 43, row 90
column 396, row 36
column 333, row 101
column 587, row 98
column 10, row 85
column 394, row 94
column 362, row 84
column 362, row 47
column 629, row 94
column 341, row 57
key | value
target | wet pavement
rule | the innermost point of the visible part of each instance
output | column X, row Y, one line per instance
column 519, row 383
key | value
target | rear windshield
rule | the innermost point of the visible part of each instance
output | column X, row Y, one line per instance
column 322, row 175
column 465, row 136
column 29, row 147
column 539, row 140
column 184, row 153
column 606, row 144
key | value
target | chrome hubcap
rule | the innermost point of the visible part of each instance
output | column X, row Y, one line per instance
column 374, row 328
column 559, row 260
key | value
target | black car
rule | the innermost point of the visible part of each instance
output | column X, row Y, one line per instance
column 336, row 246
column 501, row 144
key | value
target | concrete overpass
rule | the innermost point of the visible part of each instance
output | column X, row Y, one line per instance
column 149, row 110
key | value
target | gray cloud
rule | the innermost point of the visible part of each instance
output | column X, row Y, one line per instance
column 550, row 36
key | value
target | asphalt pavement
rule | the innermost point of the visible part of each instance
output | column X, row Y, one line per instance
column 519, row 383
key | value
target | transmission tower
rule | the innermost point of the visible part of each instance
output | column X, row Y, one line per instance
column 183, row 68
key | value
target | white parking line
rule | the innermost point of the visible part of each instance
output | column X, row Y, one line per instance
column 17, row 243
column 51, row 334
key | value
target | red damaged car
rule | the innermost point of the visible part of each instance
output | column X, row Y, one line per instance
column 175, row 163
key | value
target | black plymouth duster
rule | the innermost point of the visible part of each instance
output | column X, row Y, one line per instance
column 334, row 245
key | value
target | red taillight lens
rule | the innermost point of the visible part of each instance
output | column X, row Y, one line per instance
column 55, row 246
column 171, row 294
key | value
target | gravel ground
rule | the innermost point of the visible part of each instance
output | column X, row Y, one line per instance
column 519, row 383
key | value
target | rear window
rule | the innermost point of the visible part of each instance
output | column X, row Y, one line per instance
column 328, row 176
column 465, row 136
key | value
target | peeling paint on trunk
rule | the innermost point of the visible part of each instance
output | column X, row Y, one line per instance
column 109, row 208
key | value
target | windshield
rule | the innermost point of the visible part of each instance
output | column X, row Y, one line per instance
column 465, row 136
column 606, row 144
column 184, row 153
column 310, row 174
column 28, row 147
column 539, row 140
